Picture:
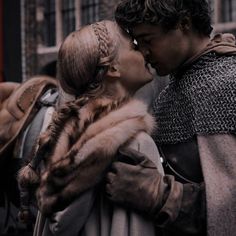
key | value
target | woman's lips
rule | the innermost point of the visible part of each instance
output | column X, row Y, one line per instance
column 150, row 68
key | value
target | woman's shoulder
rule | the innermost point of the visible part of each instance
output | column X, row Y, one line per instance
column 142, row 141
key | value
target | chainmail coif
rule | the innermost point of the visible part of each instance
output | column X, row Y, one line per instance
column 200, row 100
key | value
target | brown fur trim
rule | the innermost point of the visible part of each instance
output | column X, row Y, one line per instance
column 27, row 176
column 72, row 170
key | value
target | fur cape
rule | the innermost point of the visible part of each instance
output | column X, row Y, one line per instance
column 84, row 150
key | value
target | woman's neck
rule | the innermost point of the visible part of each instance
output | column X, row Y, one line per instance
column 116, row 91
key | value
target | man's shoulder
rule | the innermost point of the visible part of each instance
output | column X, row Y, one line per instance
column 213, row 77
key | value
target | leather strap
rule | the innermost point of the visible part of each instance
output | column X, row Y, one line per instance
column 182, row 160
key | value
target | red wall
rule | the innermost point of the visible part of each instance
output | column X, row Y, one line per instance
column 1, row 40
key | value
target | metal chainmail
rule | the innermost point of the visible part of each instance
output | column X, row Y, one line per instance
column 201, row 100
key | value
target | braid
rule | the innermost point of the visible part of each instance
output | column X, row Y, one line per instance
column 102, row 35
column 97, row 111
column 106, row 55
column 68, row 113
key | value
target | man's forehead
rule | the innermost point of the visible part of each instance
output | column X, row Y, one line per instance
column 142, row 30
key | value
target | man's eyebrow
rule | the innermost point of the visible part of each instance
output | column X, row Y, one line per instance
column 141, row 35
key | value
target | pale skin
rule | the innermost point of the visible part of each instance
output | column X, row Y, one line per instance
column 129, row 71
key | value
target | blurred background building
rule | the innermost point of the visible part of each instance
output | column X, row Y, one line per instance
column 31, row 31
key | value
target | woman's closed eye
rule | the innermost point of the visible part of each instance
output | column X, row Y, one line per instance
column 145, row 41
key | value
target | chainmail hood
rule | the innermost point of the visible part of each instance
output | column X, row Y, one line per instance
column 199, row 100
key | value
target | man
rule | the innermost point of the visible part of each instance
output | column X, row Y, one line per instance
column 196, row 121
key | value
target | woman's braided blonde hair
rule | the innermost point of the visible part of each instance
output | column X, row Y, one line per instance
column 83, row 60
column 102, row 35
column 85, row 56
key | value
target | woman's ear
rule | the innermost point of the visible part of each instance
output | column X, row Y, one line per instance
column 113, row 71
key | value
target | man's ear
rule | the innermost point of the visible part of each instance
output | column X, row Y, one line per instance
column 113, row 71
column 185, row 23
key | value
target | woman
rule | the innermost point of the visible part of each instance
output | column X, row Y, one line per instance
column 97, row 117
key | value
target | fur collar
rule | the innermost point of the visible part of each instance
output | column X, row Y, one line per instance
column 73, row 170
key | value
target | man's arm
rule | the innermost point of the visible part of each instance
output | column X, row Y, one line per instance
column 171, row 204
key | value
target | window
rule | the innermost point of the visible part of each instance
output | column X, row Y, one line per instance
column 68, row 16
column 224, row 17
column 89, row 11
column 57, row 18
column 49, row 23
column 228, row 11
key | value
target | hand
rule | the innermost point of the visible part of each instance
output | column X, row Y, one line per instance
column 135, row 182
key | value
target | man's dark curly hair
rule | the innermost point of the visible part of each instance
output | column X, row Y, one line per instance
column 166, row 13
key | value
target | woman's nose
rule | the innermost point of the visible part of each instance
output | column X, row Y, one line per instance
column 145, row 52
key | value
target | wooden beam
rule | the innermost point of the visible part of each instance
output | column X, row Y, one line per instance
column 217, row 11
column 78, row 14
column 59, row 23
